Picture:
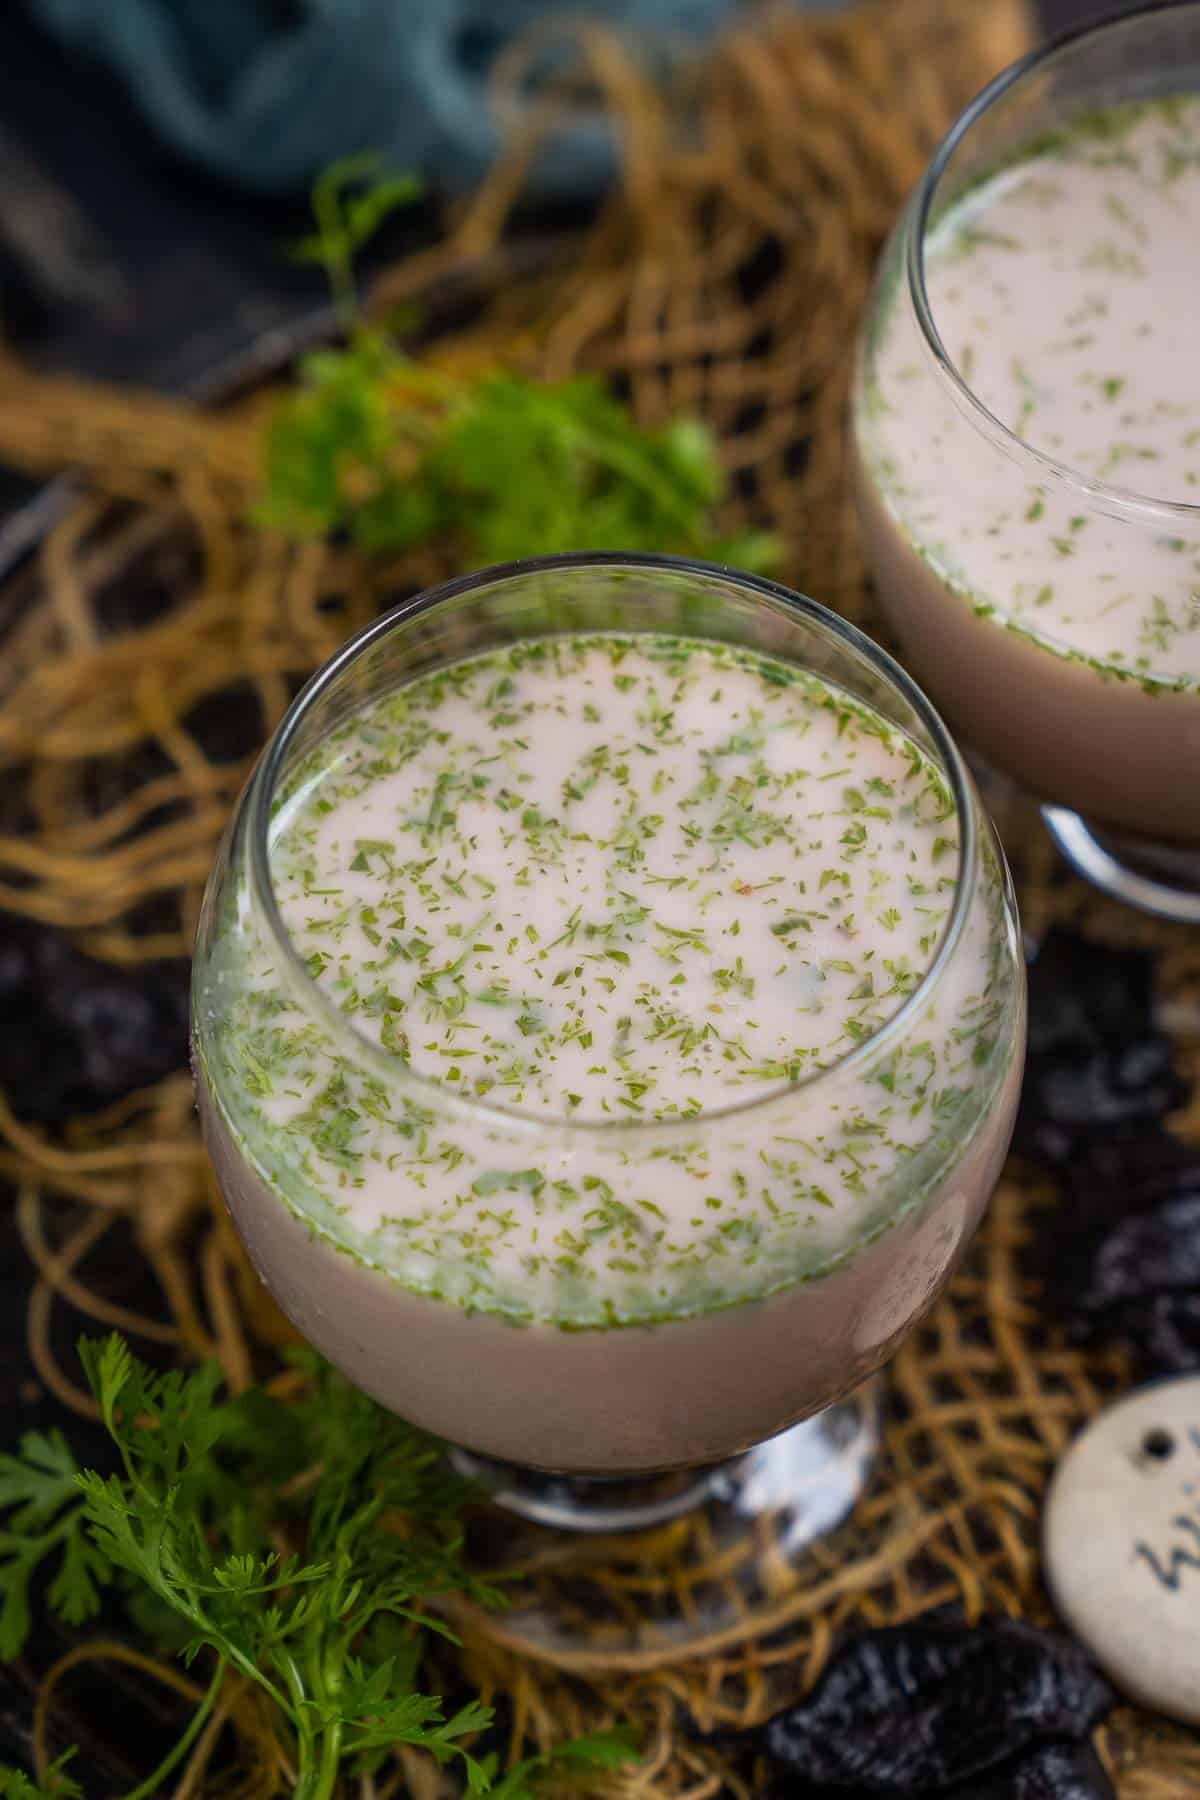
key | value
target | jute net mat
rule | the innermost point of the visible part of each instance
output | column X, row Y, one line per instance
column 725, row 279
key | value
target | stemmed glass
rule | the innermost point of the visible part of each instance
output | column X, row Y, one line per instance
column 747, row 1406
column 952, row 499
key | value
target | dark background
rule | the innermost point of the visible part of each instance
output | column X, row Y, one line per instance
column 118, row 258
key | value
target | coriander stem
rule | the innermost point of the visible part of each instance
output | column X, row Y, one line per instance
column 322, row 1781
column 299, row 1712
column 151, row 1784
column 326, row 1673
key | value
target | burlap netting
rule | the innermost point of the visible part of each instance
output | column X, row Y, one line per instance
column 786, row 155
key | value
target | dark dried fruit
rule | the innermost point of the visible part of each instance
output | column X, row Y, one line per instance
column 1096, row 1061
column 1120, row 1257
column 1054, row 1772
column 930, row 1707
column 77, row 1034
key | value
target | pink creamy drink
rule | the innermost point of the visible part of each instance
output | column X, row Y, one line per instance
column 1029, row 509
column 640, row 1058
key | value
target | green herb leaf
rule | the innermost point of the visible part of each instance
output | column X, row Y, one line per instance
column 197, row 1528
column 396, row 454
column 598, row 1750
column 45, row 1529
column 350, row 201
column 58, row 1785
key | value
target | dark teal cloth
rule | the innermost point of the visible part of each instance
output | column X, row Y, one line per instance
column 269, row 92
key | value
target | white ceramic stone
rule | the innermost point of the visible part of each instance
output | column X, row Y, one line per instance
column 1122, row 1544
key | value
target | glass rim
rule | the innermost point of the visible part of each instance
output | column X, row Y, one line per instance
column 1123, row 500
column 440, row 1096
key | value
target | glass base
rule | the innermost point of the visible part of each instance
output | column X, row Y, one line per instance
column 1162, row 879
column 643, row 1570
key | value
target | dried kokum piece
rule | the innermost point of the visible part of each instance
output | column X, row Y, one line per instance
column 1047, row 1772
column 1051, row 1772
column 1120, row 1257
column 1096, row 1061
column 926, row 1707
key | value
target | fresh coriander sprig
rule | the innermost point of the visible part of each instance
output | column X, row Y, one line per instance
column 598, row 1750
column 44, row 1530
column 395, row 453
column 189, row 1532
column 526, row 1780
column 350, row 201
column 58, row 1785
